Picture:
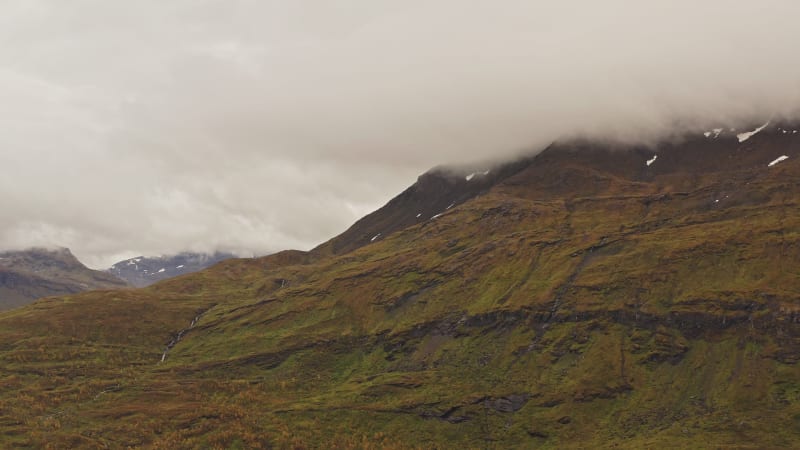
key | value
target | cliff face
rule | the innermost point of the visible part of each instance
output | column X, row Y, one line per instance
column 592, row 296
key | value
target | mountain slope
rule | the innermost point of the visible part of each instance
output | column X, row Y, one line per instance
column 586, row 300
column 144, row 271
column 435, row 192
column 35, row 273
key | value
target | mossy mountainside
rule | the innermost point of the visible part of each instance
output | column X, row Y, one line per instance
column 586, row 300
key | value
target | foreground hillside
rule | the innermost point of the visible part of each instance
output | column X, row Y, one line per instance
column 583, row 298
column 35, row 273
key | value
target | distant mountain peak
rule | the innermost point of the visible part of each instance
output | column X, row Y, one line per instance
column 26, row 275
column 143, row 271
column 37, row 258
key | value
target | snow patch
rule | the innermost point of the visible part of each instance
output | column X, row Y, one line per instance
column 651, row 161
column 470, row 176
column 375, row 237
column 707, row 134
column 717, row 132
column 419, row 215
column 486, row 172
column 162, row 270
column 451, row 205
column 437, row 216
column 777, row 160
column 179, row 267
column 745, row 136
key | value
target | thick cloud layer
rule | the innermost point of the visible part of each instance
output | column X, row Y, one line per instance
column 151, row 127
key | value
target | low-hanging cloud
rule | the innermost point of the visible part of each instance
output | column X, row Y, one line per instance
column 153, row 127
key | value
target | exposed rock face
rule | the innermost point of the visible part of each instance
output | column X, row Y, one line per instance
column 144, row 271
column 31, row 274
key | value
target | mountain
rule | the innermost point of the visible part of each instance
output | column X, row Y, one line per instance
column 31, row 274
column 144, row 271
column 435, row 192
column 592, row 296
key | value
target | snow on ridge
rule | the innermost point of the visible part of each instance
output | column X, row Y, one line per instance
column 745, row 136
column 777, row 160
column 472, row 175
column 651, row 161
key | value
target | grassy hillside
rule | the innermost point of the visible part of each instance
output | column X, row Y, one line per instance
column 583, row 302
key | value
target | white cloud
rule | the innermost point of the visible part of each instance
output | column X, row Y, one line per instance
column 150, row 126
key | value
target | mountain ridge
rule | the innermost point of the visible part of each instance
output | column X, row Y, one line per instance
column 587, row 299
column 27, row 275
column 143, row 271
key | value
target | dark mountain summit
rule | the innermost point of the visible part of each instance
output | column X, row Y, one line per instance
column 593, row 296
column 434, row 193
column 31, row 274
column 575, row 169
column 144, row 271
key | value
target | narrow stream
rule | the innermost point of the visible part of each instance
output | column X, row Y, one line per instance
column 172, row 343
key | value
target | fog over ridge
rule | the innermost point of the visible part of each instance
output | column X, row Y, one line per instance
column 252, row 126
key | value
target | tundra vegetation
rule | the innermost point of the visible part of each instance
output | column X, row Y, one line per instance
column 583, row 299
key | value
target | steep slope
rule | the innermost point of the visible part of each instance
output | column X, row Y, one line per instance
column 435, row 192
column 587, row 300
column 144, row 271
column 35, row 273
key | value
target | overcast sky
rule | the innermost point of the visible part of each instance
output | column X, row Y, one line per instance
column 155, row 126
